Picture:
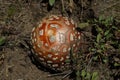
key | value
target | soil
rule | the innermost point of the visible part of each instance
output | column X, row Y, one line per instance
column 18, row 17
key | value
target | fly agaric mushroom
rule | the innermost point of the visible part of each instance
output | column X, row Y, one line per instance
column 53, row 39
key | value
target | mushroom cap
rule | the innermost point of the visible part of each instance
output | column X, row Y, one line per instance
column 53, row 39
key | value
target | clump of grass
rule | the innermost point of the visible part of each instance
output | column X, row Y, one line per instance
column 105, row 39
column 101, row 46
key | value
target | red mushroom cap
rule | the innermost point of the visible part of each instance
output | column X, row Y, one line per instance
column 52, row 41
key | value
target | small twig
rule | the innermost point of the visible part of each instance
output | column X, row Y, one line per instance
column 109, row 6
column 81, row 15
column 66, row 75
column 62, row 5
column 59, row 74
column 71, row 5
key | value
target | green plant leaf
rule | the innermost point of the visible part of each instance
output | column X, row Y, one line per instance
column 51, row 2
column 100, row 18
column 67, row 61
column 99, row 36
column 99, row 51
column 83, row 25
column 95, row 58
column 114, row 27
column 95, row 20
column 109, row 36
column 106, row 32
column 88, row 76
column 93, row 50
column 78, row 75
column 99, row 29
column 83, row 73
column 106, row 22
column 116, row 64
column 95, row 76
column 2, row 40
column 105, row 60
column 102, row 46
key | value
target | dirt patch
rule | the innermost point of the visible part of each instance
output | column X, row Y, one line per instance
column 18, row 17
column 107, row 8
column 17, row 21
